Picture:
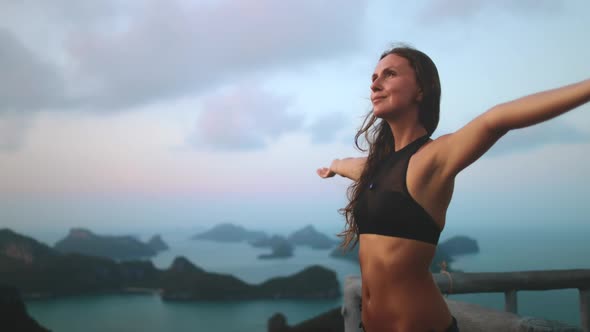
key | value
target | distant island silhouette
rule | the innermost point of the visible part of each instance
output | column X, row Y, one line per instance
column 309, row 236
column 281, row 246
column 228, row 232
column 83, row 241
column 459, row 245
column 157, row 244
column 39, row 271
column 314, row 282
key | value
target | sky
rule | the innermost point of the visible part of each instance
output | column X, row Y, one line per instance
column 183, row 114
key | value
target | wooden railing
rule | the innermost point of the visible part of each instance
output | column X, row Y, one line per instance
column 510, row 283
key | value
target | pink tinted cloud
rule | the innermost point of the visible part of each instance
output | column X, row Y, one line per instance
column 243, row 118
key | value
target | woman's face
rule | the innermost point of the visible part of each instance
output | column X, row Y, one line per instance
column 394, row 88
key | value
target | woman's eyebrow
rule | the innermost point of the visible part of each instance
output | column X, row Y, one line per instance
column 374, row 76
column 391, row 67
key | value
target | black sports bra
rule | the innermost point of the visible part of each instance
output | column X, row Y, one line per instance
column 387, row 208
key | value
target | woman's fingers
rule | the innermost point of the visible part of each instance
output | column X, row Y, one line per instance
column 321, row 172
column 325, row 172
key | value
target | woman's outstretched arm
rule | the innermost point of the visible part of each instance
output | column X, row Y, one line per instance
column 351, row 168
column 458, row 150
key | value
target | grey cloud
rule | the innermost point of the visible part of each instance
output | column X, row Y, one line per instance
column 113, row 54
column 530, row 138
column 80, row 12
column 109, row 55
column 27, row 84
column 437, row 11
column 330, row 127
column 13, row 128
column 26, row 81
column 244, row 118
column 171, row 50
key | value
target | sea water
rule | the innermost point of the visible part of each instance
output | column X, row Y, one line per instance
column 505, row 248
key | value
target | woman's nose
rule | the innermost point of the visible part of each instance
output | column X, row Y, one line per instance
column 375, row 86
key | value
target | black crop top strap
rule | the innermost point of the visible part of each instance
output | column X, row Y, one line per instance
column 386, row 207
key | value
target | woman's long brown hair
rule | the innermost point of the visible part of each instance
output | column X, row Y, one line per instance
column 379, row 137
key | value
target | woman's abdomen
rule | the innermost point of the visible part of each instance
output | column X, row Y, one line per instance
column 398, row 291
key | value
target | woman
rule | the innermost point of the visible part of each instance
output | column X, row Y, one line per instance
column 402, row 189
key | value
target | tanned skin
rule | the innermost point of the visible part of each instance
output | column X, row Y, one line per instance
column 398, row 290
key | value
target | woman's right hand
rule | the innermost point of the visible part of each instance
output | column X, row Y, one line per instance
column 325, row 172
column 328, row 172
column 347, row 167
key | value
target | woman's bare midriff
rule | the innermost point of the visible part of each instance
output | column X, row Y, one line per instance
column 398, row 291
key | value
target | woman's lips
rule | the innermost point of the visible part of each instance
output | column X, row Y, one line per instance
column 375, row 100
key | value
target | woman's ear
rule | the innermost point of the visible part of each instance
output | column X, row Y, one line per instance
column 420, row 96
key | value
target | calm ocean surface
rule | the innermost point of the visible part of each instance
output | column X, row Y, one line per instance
column 501, row 249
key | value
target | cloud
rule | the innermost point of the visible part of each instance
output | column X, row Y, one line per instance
column 116, row 55
column 243, row 118
column 170, row 49
column 112, row 55
column 13, row 128
column 330, row 128
column 439, row 11
column 80, row 12
column 525, row 139
column 26, row 81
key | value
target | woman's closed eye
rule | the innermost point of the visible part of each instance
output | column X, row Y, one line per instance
column 389, row 73
column 386, row 73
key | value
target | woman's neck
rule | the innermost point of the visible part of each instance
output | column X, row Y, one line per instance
column 405, row 131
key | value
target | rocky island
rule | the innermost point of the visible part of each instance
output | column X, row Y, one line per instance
column 157, row 244
column 83, row 241
column 281, row 247
column 314, row 282
column 228, row 232
column 39, row 271
column 459, row 245
column 309, row 236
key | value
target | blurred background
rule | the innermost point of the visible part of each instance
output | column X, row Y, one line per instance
column 135, row 118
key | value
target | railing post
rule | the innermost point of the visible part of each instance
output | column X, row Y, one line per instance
column 585, row 309
column 351, row 312
column 510, row 301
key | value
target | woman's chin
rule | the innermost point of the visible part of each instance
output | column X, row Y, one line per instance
column 378, row 113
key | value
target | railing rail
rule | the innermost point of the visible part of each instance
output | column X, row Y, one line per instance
column 510, row 283
column 499, row 282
